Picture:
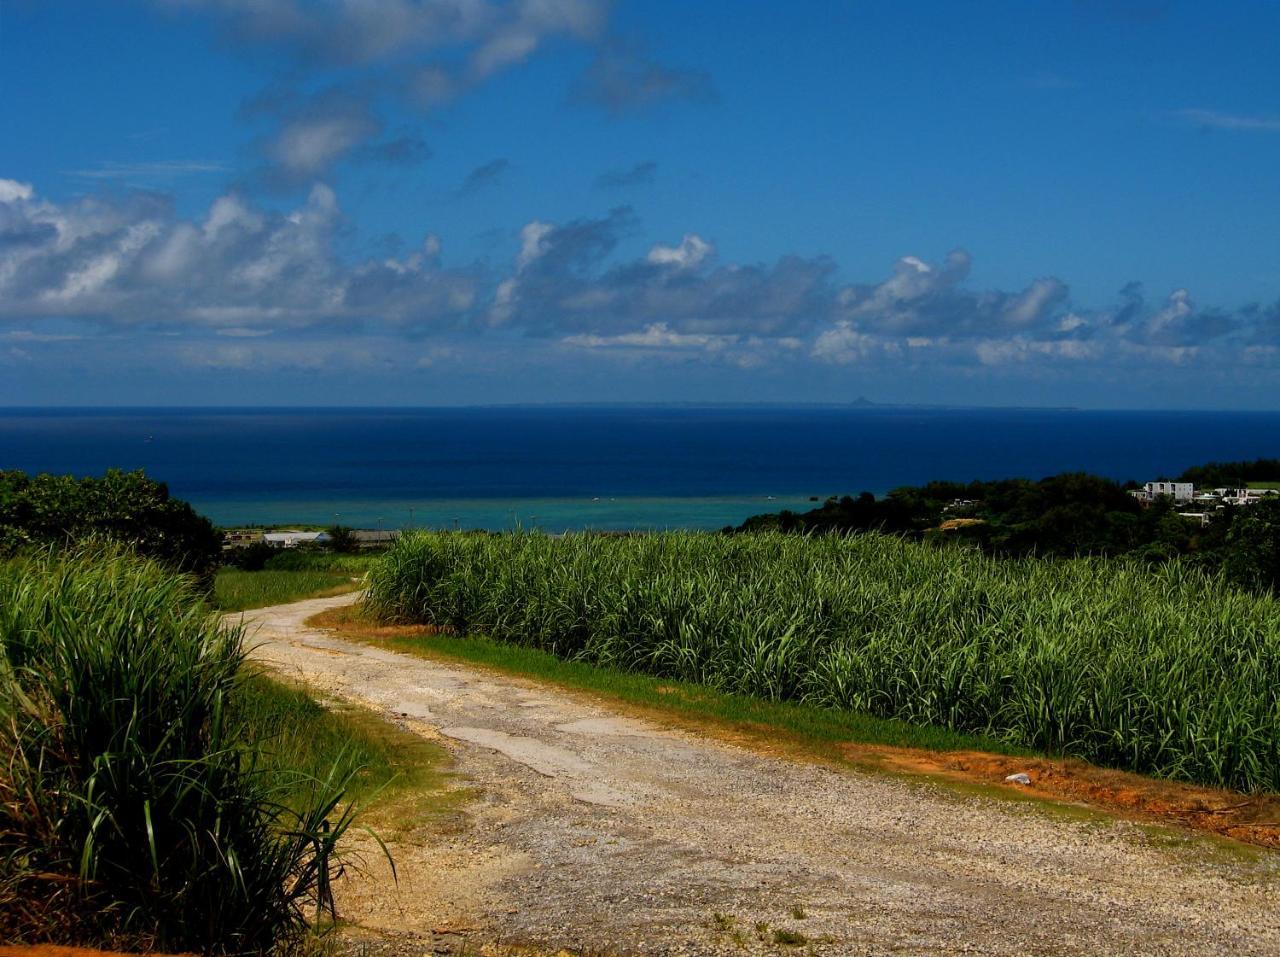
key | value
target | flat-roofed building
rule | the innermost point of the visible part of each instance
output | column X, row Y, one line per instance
column 1178, row 491
column 292, row 538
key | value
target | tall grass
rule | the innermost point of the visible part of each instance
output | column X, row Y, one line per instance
column 1160, row 670
column 130, row 814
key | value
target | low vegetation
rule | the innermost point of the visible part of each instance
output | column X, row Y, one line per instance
column 237, row 590
column 287, row 576
column 134, row 809
column 1163, row 670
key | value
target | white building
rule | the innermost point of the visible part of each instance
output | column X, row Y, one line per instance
column 292, row 539
column 1178, row 491
column 1244, row 496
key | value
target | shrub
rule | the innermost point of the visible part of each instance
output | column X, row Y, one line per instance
column 249, row 558
column 129, row 814
column 123, row 507
column 342, row 540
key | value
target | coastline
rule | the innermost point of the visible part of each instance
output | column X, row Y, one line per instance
column 605, row 513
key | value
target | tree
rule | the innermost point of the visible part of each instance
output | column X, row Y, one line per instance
column 342, row 539
column 1252, row 558
column 124, row 507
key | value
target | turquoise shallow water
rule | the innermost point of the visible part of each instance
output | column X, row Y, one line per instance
column 548, row 514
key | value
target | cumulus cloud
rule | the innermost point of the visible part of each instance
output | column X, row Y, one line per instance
column 691, row 252
column 307, row 146
column 134, row 261
column 843, row 344
column 12, row 191
column 922, row 299
column 565, row 281
column 659, row 341
column 253, row 280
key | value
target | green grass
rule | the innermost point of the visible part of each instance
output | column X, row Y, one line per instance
column 295, row 740
column 1160, row 670
column 307, row 559
column 237, row 590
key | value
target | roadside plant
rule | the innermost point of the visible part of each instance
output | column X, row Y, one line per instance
column 130, row 814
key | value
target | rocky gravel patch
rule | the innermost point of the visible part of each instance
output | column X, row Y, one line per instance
column 599, row 833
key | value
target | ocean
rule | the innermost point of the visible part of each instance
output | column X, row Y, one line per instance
column 612, row 468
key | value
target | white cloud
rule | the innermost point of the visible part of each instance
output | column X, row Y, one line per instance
column 133, row 261
column 272, row 280
column 693, row 249
column 1217, row 120
column 532, row 239
column 1000, row 351
column 656, row 336
column 843, row 344
column 11, row 191
column 305, row 147
column 1030, row 305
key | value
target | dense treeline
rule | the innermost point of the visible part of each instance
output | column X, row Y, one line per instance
column 123, row 507
column 1067, row 515
column 1232, row 474
column 1155, row 669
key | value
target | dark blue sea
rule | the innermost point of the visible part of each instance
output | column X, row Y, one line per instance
column 601, row 467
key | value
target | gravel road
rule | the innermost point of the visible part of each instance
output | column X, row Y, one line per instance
column 596, row 832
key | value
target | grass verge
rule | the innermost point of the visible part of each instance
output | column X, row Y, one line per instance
column 235, row 589
column 818, row 732
column 296, row 739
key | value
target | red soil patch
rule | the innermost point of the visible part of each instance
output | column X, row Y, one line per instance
column 1253, row 819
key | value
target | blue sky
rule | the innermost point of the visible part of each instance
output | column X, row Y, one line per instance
column 488, row 201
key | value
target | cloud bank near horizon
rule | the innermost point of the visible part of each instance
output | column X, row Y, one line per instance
column 270, row 289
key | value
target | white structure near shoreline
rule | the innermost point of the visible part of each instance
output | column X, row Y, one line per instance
column 292, row 539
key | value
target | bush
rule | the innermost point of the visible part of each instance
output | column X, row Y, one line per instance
column 123, row 507
column 249, row 558
column 129, row 814
column 342, row 540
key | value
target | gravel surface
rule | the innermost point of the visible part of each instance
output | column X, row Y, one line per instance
column 596, row 832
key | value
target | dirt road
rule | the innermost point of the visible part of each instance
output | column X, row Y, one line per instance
column 597, row 832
